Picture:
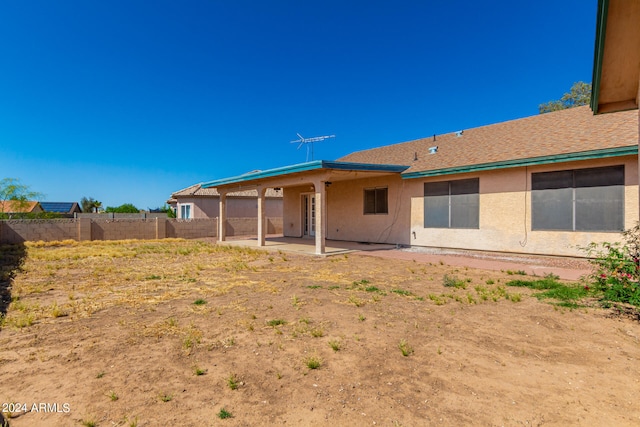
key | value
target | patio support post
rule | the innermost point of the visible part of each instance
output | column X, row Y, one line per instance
column 262, row 229
column 321, row 216
column 222, row 217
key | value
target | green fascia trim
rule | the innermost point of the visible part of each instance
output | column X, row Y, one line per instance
column 601, row 30
column 558, row 158
column 305, row 167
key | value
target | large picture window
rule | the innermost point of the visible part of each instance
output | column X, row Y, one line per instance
column 452, row 204
column 375, row 201
column 578, row 200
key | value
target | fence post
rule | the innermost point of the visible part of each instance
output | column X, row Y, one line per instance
column 161, row 228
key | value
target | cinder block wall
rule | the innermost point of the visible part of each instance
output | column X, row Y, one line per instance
column 192, row 228
column 18, row 231
column 249, row 226
column 274, row 225
column 120, row 229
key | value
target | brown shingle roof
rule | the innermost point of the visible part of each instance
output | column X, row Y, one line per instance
column 197, row 191
column 561, row 132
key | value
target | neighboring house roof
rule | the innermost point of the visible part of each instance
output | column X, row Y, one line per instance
column 60, row 207
column 565, row 135
column 198, row 191
column 12, row 206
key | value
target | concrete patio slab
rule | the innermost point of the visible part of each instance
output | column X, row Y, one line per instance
column 307, row 246
column 532, row 265
column 535, row 265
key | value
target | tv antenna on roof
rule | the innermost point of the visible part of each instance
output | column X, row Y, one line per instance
column 306, row 141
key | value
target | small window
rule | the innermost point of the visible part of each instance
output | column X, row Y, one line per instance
column 185, row 211
column 375, row 201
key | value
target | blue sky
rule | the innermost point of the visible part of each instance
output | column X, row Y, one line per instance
column 127, row 101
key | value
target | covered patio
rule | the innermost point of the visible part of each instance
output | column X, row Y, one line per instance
column 307, row 246
column 317, row 175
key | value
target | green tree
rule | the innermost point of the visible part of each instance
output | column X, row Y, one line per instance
column 166, row 209
column 579, row 94
column 124, row 208
column 89, row 205
column 17, row 194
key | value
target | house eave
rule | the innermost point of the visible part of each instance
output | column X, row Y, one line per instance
column 305, row 167
column 616, row 59
column 556, row 158
column 601, row 29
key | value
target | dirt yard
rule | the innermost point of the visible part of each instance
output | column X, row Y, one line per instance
column 184, row 333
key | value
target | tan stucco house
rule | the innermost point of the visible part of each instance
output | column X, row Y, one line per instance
column 546, row 184
column 196, row 202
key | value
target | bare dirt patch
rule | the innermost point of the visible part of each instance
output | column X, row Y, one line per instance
column 154, row 333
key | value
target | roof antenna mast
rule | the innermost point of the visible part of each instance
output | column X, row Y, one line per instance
column 306, row 141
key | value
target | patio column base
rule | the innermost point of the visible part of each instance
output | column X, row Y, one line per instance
column 222, row 217
column 262, row 216
column 321, row 216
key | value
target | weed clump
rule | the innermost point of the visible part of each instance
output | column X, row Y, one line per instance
column 453, row 282
column 405, row 348
column 224, row 414
column 313, row 362
column 276, row 322
column 336, row 345
column 232, row 382
column 567, row 295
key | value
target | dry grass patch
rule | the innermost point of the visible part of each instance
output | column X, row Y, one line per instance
column 347, row 336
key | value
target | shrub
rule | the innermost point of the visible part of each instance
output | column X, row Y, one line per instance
column 616, row 268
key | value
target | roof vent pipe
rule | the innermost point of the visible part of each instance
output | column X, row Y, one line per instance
column 434, row 136
column 415, row 156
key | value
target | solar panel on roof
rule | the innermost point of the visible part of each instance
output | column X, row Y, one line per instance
column 59, row 207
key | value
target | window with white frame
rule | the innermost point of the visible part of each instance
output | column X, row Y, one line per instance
column 376, row 201
column 452, row 204
column 186, row 211
column 578, row 200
